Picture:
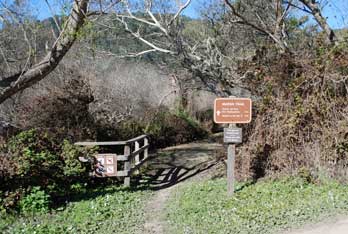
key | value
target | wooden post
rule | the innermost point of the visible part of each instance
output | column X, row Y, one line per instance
column 231, row 156
column 137, row 157
column 146, row 151
column 127, row 166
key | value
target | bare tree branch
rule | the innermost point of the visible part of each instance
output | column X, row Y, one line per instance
column 5, row 59
column 140, row 38
column 274, row 34
column 315, row 10
column 181, row 9
column 11, row 85
column 290, row 3
column 54, row 16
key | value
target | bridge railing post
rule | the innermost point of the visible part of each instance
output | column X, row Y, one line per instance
column 127, row 165
column 137, row 156
column 146, row 151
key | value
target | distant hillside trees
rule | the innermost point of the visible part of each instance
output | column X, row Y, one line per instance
column 154, row 26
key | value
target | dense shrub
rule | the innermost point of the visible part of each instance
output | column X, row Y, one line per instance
column 44, row 159
column 301, row 119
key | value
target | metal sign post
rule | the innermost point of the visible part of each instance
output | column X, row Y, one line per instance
column 232, row 110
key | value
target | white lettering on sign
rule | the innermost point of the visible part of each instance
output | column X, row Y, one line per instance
column 233, row 135
column 232, row 110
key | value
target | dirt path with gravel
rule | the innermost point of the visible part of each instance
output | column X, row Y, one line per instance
column 332, row 226
column 172, row 167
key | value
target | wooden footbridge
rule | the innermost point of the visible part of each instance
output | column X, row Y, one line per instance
column 135, row 153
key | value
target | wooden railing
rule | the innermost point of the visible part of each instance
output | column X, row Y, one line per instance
column 135, row 153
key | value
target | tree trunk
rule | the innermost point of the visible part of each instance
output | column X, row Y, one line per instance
column 316, row 12
column 18, row 82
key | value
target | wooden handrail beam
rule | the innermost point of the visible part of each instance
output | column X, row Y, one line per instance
column 141, row 149
column 106, row 143
column 136, row 139
column 138, row 165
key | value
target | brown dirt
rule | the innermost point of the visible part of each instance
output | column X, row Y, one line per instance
column 173, row 166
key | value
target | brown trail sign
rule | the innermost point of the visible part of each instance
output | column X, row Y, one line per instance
column 232, row 111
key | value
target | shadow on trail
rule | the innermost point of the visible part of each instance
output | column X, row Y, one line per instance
column 172, row 176
column 177, row 165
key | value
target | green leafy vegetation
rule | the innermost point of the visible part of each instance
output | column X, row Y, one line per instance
column 109, row 210
column 264, row 207
column 45, row 159
column 37, row 201
column 40, row 166
column 295, row 71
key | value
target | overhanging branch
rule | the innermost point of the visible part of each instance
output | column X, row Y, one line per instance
column 18, row 82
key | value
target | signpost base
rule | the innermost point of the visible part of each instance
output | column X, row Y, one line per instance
column 231, row 156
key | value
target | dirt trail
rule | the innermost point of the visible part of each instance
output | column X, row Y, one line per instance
column 173, row 166
column 187, row 162
column 337, row 226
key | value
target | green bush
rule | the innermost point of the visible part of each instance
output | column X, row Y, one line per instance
column 45, row 160
column 37, row 201
column 2, row 209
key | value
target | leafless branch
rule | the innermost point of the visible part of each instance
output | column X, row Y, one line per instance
column 5, row 60
column 264, row 28
column 181, row 9
column 18, row 82
column 290, row 3
column 140, row 38
column 315, row 10
column 53, row 16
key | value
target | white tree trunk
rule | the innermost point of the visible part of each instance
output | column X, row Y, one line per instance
column 316, row 12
